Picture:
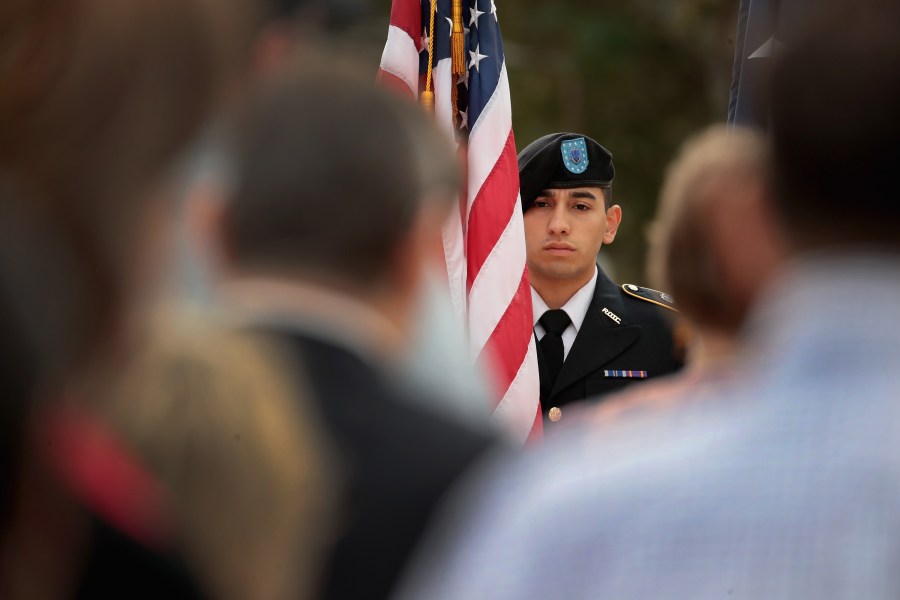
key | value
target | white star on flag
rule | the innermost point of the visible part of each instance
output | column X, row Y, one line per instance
column 475, row 14
column 425, row 39
column 476, row 57
column 463, row 119
column 494, row 9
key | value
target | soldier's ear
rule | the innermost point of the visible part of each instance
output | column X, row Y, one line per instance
column 613, row 219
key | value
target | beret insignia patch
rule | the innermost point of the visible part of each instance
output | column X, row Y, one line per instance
column 574, row 155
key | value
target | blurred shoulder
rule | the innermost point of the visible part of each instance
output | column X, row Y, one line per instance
column 678, row 392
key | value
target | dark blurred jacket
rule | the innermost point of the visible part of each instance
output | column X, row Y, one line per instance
column 397, row 457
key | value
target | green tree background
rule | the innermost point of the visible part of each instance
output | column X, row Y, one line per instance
column 639, row 76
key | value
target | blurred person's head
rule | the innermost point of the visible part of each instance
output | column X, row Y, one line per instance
column 835, row 128
column 214, row 415
column 105, row 96
column 716, row 240
column 342, row 185
column 98, row 98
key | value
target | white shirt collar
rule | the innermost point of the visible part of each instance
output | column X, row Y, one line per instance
column 576, row 307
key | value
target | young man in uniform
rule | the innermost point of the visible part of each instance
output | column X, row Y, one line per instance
column 593, row 335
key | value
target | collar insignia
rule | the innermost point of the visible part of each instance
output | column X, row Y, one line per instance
column 612, row 316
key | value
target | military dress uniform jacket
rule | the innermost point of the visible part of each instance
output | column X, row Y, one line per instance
column 626, row 336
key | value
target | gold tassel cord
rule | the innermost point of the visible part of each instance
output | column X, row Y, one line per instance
column 457, row 41
column 427, row 97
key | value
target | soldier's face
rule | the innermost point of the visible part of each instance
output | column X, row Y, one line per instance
column 564, row 230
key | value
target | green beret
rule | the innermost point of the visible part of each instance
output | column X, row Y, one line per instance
column 563, row 160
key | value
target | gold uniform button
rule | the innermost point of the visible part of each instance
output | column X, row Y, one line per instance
column 555, row 414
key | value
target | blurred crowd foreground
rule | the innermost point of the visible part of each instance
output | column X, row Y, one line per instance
column 271, row 443
column 122, row 471
column 275, row 445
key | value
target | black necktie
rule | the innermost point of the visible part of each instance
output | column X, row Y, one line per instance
column 554, row 323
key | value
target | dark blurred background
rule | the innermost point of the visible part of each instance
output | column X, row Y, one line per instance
column 637, row 76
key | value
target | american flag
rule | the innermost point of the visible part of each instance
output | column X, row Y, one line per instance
column 484, row 244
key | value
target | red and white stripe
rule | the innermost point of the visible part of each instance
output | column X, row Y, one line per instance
column 484, row 244
column 400, row 61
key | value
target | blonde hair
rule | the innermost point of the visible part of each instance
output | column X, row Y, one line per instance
column 680, row 258
column 213, row 415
